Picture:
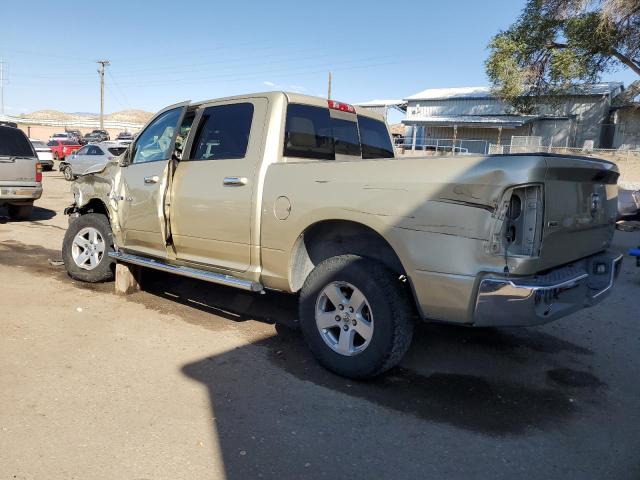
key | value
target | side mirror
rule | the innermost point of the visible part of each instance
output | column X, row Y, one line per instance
column 125, row 159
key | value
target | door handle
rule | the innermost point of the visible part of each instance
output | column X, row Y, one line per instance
column 235, row 181
column 153, row 179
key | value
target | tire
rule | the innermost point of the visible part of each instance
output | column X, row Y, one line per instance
column 82, row 261
column 388, row 307
column 20, row 212
column 68, row 174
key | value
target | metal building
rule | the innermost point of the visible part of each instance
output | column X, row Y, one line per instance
column 469, row 119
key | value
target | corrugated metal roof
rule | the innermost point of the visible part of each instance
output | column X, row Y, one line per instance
column 381, row 103
column 596, row 89
column 474, row 120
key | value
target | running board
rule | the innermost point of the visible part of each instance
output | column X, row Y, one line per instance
column 210, row 277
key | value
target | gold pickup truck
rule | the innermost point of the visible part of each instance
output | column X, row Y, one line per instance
column 281, row 191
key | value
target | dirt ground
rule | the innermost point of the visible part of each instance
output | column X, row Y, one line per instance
column 185, row 380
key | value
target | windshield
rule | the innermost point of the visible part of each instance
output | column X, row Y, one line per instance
column 14, row 143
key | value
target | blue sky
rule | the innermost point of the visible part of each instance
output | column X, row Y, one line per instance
column 167, row 51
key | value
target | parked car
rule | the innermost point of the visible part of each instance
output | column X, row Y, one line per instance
column 60, row 137
column 124, row 138
column 90, row 157
column 20, row 173
column 104, row 135
column 282, row 191
column 62, row 148
column 75, row 135
column 628, row 203
column 92, row 138
column 8, row 124
column 45, row 155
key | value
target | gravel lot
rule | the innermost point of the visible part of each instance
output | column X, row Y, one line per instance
column 188, row 380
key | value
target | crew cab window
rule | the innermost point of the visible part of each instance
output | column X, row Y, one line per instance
column 223, row 133
column 308, row 133
column 155, row 142
column 375, row 138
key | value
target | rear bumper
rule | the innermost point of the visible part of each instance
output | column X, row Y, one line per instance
column 541, row 299
column 20, row 194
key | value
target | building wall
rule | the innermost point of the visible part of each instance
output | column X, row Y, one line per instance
column 587, row 114
column 627, row 128
column 43, row 132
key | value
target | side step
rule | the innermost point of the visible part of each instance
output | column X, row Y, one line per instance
column 211, row 277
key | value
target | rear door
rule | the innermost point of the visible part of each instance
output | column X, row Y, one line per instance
column 79, row 162
column 213, row 185
column 142, row 185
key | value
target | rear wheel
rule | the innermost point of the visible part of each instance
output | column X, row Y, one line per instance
column 356, row 316
column 68, row 174
column 86, row 247
column 20, row 212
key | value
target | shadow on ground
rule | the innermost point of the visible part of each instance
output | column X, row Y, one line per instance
column 38, row 214
column 276, row 412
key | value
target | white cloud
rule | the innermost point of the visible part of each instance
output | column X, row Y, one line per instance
column 269, row 84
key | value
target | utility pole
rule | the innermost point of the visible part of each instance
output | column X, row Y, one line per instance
column 329, row 93
column 103, row 64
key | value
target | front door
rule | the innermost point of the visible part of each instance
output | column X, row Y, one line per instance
column 213, row 187
column 143, row 185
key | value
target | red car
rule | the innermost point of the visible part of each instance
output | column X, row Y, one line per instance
column 62, row 148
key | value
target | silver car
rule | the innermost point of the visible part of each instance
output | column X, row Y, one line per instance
column 89, row 157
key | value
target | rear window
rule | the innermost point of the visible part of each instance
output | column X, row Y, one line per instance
column 375, row 138
column 117, row 151
column 69, row 142
column 345, row 137
column 14, row 143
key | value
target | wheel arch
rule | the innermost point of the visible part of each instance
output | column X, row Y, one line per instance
column 95, row 205
column 331, row 238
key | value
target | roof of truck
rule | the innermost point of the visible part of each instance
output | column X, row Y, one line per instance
column 292, row 97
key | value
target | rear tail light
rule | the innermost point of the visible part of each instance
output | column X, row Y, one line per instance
column 38, row 172
column 517, row 230
column 343, row 107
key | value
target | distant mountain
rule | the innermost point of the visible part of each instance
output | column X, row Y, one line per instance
column 130, row 116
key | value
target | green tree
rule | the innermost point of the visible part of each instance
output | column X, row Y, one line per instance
column 558, row 44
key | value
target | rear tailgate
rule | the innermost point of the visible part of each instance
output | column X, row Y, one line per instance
column 580, row 208
column 19, row 171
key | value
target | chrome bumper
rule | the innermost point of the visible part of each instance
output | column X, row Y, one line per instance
column 19, row 194
column 544, row 298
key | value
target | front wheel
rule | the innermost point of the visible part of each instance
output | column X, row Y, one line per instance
column 86, row 247
column 356, row 316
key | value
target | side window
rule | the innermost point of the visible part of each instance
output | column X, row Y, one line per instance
column 52, row 143
column 155, row 142
column 82, row 151
column 94, row 150
column 308, row 133
column 223, row 132
column 375, row 138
